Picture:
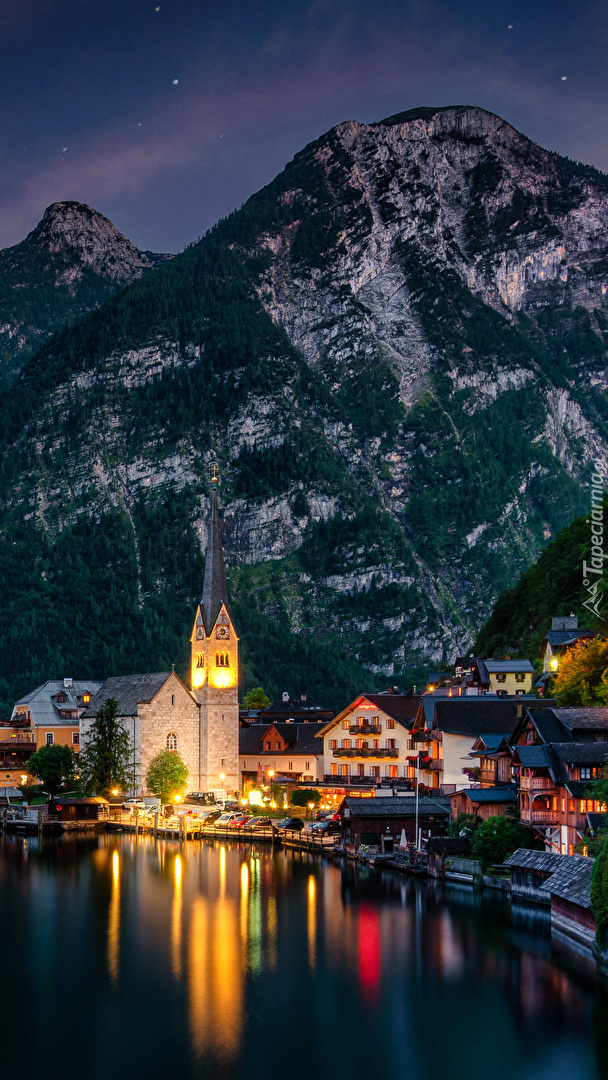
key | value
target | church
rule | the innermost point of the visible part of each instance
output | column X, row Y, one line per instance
column 200, row 721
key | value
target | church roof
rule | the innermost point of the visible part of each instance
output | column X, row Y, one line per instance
column 215, row 590
column 129, row 690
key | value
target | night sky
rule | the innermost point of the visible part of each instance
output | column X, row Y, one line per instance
column 165, row 115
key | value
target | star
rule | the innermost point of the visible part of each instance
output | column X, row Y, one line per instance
column 63, row 149
column 510, row 26
column 564, row 77
column 175, row 82
column 157, row 9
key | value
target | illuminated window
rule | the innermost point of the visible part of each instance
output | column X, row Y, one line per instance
column 583, row 806
column 222, row 660
column 345, row 725
column 571, row 806
column 389, row 723
column 333, row 770
column 346, row 744
column 333, row 744
column 171, row 741
column 86, row 698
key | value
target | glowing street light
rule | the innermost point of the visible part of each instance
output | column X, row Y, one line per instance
column 311, row 807
column 177, row 798
column 115, row 792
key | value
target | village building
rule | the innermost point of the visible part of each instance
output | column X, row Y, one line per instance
column 445, row 730
column 298, row 710
column 369, row 740
column 485, row 675
column 531, row 870
column 282, row 749
column 493, row 753
column 379, row 823
column 564, row 633
column 570, row 891
column 558, row 754
column 484, row 803
column 48, row 716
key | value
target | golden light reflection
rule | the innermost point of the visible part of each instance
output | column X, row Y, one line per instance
column 176, row 919
column 222, row 872
column 198, row 676
column 311, row 922
column 271, row 945
column 244, row 912
column 255, row 918
column 215, row 977
column 113, row 946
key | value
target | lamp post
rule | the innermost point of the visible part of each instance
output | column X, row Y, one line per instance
column 311, row 807
column 270, row 776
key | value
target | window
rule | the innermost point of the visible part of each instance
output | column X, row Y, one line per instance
column 244, row 766
column 333, row 770
column 173, row 699
column 583, row 806
column 345, row 725
column 360, row 744
column 223, row 762
column 86, row 698
column 307, row 766
column 343, row 770
column 50, row 738
column 277, row 746
column 520, row 676
column 390, row 744
column 360, row 769
column 501, row 677
column 393, row 770
column 571, row 806
column 376, row 744
column 171, row 741
column 374, row 770
column 346, row 744
column 585, row 772
column 519, row 693
column 389, row 723
column 75, row 738
column 268, row 746
column 222, row 659
column 410, row 744
column 333, row 744
column 290, row 766
column 61, row 697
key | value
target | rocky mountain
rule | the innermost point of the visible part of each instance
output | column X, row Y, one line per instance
column 73, row 260
column 396, row 353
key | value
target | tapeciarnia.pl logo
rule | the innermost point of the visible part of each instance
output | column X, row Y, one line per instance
column 593, row 571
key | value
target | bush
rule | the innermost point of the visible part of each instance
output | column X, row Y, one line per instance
column 303, row 796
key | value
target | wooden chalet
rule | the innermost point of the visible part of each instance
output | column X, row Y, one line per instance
column 570, row 891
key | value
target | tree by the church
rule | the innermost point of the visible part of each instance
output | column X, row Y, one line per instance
column 582, row 676
column 167, row 775
column 106, row 761
column 53, row 765
column 256, row 698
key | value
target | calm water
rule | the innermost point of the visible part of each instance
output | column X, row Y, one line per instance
column 125, row 959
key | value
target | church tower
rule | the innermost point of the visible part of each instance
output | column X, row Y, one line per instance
column 214, row 670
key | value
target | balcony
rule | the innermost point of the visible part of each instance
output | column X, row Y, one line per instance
column 536, row 783
column 344, row 781
column 421, row 736
column 365, row 729
column 538, row 817
column 355, row 752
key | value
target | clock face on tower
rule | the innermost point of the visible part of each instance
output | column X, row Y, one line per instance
column 199, row 633
column 222, row 632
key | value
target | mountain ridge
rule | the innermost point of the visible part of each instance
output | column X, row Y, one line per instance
column 396, row 351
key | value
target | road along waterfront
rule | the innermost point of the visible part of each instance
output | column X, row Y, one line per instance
column 141, row 958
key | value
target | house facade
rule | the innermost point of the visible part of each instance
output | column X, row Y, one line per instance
column 558, row 754
column 369, row 740
column 564, row 633
column 484, row 803
column 285, row 749
column 445, row 730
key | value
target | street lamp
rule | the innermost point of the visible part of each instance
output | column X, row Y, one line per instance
column 311, row 807
column 115, row 792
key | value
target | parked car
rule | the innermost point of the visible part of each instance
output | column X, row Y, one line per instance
column 313, row 827
column 212, row 817
column 259, row 823
column 225, row 819
column 295, row 823
column 134, row 804
column 238, row 821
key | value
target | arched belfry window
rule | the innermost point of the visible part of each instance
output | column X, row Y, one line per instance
column 222, row 659
column 171, row 741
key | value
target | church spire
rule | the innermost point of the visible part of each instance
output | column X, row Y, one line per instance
column 215, row 591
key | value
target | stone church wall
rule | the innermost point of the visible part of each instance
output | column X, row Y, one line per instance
column 172, row 710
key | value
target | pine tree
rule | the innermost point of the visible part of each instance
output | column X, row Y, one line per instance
column 106, row 760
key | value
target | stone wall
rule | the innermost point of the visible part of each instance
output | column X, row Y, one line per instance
column 172, row 710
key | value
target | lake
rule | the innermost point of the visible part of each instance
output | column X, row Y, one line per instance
column 127, row 958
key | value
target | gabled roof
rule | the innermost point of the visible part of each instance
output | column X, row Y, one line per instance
column 584, row 718
column 565, row 637
column 470, row 715
column 572, row 881
column 301, row 738
column 581, row 753
column 215, row 590
column 548, row 724
column 489, row 744
column 504, row 794
column 397, row 806
column 509, row 666
column 43, row 707
column 400, row 707
column 531, row 756
column 130, row 691
column 536, row 860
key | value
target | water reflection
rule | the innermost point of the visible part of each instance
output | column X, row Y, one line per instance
column 114, row 920
column 187, row 955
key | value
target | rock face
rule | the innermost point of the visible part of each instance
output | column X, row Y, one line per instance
column 72, row 261
column 396, row 352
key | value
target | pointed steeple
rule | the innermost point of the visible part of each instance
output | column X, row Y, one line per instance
column 215, row 591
